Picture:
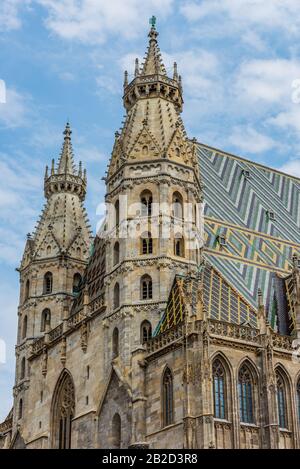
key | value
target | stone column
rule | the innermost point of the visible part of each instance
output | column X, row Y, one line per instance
column 138, row 432
column 207, row 411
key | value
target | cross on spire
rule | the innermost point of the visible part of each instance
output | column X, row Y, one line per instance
column 152, row 21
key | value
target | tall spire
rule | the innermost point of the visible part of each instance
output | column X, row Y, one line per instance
column 66, row 162
column 151, row 80
column 153, row 63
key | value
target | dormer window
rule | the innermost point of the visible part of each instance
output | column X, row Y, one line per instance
column 271, row 215
column 222, row 240
column 246, row 174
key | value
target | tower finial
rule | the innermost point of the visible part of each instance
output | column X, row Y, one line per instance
column 125, row 78
column 152, row 21
column 67, row 132
column 175, row 73
column 136, row 70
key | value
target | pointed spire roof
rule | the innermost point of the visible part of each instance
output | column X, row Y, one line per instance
column 66, row 162
column 66, row 177
column 153, row 62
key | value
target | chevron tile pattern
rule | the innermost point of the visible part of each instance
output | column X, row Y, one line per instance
column 257, row 211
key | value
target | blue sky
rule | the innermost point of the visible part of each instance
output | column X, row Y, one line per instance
column 64, row 59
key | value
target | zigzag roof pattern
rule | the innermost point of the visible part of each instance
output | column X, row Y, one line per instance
column 221, row 300
column 239, row 196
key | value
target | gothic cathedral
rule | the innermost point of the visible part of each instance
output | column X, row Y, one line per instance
column 178, row 324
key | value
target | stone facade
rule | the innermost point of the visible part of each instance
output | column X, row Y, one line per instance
column 116, row 344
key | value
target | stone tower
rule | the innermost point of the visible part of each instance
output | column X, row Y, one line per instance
column 154, row 196
column 53, row 263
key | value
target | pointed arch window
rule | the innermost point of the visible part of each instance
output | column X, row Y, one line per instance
column 177, row 204
column 116, row 431
column 281, row 401
column 117, row 213
column 146, row 287
column 20, row 411
column 146, row 331
column 245, row 388
column 24, row 327
column 116, row 253
column 63, row 413
column 146, row 202
column 146, row 243
column 45, row 319
column 179, row 245
column 168, row 411
column 23, row 368
column 27, row 290
column 115, row 342
column 76, row 283
column 116, row 296
column 219, row 384
column 48, row 283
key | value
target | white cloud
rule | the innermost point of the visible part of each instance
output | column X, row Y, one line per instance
column 252, row 39
column 13, row 112
column 291, row 167
column 10, row 14
column 20, row 193
column 90, row 21
column 8, row 326
column 249, row 140
column 265, row 14
column 267, row 81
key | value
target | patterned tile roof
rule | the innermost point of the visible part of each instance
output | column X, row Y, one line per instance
column 257, row 210
column 220, row 300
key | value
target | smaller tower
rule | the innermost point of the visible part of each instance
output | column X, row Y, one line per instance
column 53, row 263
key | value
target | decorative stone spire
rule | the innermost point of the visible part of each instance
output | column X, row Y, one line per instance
column 159, row 85
column 137, row 69
column 66, row 163
column 296, row 281
column 175, row 73
column 152, row 127
column 66, row 178
column 153, row 62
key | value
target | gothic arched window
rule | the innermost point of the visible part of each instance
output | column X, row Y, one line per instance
column 146, row 243
column 48, row 283
column 23, row 368
column 146, row 287
column 281, row 401
column 76, row 283
column 116, row 431
column 63, row 412
column 115, row 342
column 179, row 246
column 116, row 253
column 20, row 411
column 24, row 327
column 167, row 395
column 27, row 290
column 117, row 213
column 219, row 390
column 146, row 331
column 146, row 202
column 116, row 296
column 45, row 319
column 245, row 387
column 177, row 205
